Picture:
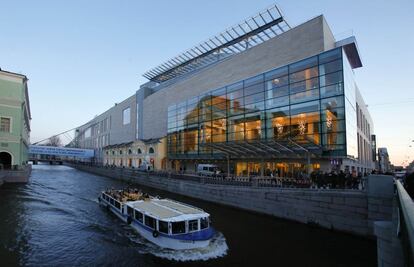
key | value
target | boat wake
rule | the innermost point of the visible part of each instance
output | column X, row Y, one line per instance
column 216, row 249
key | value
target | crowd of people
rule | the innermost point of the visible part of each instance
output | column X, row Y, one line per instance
column 335, row 179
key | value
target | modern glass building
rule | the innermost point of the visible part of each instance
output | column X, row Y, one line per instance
column 260, row 96
column 289, row 118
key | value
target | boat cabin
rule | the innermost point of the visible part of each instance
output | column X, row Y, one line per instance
column 167, row 216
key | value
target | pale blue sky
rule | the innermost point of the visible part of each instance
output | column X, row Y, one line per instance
column 83, row 56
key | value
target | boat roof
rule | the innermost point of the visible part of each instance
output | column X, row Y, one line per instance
column 167, row 209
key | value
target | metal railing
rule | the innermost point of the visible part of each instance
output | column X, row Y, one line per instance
column 324, row 183
column 406, row 222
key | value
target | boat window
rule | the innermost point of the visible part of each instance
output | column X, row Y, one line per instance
column 103, row 195
column 111, row 200
column 163, row 227
column 117, row 205
column 204, row 223
column 130, row 210
column 178, row 227
column 138, row 216
column 150, row 222
column 192, row 225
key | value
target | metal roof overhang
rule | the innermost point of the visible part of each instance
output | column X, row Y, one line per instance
column 250, row 32
column 350, row 47
column 287, row 148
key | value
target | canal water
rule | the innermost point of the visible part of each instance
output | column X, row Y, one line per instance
column 55, row 220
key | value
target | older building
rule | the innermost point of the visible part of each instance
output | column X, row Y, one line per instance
column 148, row 154
column 259, row 97
column 384, row 164
column 14, row 121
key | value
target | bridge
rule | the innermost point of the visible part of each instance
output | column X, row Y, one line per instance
column 54, row 154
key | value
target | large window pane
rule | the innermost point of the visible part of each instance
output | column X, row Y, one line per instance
column 331, row 78
column 219, row 126
column 253, row 126
column 254, row 80
column 332, row 90
column 277, row 92
column 332, row 139
column 253, row 98
column 332, row 125
column 303, row 75
column 330, row 67
column 332, row 103
column 277, row 102
column 312, row 106
column 304, row 96
column 330, row 55
column 305, row 126
column 235, row 107
column 254, row 89
column 235, row 123
column 277, row 73
column 258, row 106
column 304, row 64
column 304, row 85
column 191, row 141
column 278, row 122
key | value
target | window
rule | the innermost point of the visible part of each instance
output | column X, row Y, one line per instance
column 117, row 205
column 126, row 116
column 151, row 150
column 150, row 222
column 130, row 210
column 5, row 124
column 204, row 223
column 129, row 151
column 163, row 227
column 138, row 216
column 178, row 227
column 192, row 225
column 88, row 132
column 139, row 151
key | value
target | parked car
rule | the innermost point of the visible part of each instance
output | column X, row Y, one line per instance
column 208, row 170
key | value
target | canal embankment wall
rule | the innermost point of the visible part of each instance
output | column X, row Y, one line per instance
column 21, row 175
column 351, row 211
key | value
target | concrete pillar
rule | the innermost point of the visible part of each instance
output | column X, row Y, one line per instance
column 262, row 165
column 382, row 204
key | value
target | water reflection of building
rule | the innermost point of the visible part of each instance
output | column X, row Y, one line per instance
column 258, row 97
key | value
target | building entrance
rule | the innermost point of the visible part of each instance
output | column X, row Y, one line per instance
column 5, row 160
column 275, row 169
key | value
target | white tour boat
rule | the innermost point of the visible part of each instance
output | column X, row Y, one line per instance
column 164, row 222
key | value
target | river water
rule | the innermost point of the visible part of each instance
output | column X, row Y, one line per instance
column 55, row 220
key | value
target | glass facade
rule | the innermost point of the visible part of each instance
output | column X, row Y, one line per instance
column 304, row 101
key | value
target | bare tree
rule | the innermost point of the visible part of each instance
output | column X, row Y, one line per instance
column 54, row 141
